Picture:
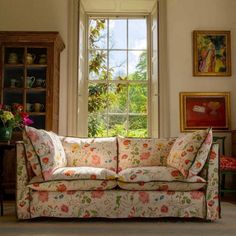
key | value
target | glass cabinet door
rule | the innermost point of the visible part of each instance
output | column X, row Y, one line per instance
column 25, row 79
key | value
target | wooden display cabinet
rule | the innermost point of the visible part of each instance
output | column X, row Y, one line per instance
column 29, row 75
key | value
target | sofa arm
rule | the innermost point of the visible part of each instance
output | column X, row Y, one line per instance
column 22, row 191
column 212, row 190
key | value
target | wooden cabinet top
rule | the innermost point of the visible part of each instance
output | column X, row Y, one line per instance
column 32, row 37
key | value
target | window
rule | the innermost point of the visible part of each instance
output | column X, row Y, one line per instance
column 118, row 83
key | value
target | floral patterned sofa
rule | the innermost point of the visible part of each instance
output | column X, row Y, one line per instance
column 117, row 177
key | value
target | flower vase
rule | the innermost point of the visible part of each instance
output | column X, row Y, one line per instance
column 5, row 133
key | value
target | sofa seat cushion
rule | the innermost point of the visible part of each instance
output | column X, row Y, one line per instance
column 138, row 152
column 93, row 152
column 38, row 184
column 158, row 178
column 154, row 173
column 178, row 185
column 85, row 173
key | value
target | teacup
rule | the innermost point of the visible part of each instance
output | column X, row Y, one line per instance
column 13, row 83
column 29, row 107
column 30, row 81
column 38, row 107
column 13, row 58
column 40, row 83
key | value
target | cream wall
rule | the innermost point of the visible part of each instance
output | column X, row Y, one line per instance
column 40, row 15
column 184, row 16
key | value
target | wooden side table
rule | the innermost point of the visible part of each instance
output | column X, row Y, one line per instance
column 3, row 146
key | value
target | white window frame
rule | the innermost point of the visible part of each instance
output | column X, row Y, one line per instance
column 76, row 118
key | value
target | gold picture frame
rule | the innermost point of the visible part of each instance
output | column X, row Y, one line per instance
column 211, row 53
column 200, row 110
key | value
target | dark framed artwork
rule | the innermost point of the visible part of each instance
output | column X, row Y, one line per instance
column 211, row 53
column 199, row 110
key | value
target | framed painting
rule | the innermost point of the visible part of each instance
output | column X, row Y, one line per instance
column 200, row 110
column 211, row 53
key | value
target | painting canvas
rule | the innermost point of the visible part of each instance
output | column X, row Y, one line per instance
column 212, row 55
column 202, row 110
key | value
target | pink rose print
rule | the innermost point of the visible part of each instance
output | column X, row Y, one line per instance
column 164, row 209
column 69, row 172
column 190, row 149
column 61, row 188
column 43, row 196
column 145, row 145
column 64, row 208
column 212, row 155
column 45, row 160
column 175, row 173
column 145, row 156
column 93, row 177
column 124, row 156
column 97, row 194
column 210, row 203
column 196, row 194
column 95, row 159
column 144, row 197
column 126, row 142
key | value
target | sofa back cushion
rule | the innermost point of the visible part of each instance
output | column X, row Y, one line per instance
column 141, row 152
column 185, row 149
column 93, row 152
column 202, row 155
column 49, row 150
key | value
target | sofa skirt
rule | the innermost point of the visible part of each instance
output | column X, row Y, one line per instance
column 115, row 204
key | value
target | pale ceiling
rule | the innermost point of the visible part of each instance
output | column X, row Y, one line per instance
column 110, row 6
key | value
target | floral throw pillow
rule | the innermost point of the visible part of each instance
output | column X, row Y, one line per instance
column 202, row 155
column 185, row 149
column 49, row 149
column 31, row 155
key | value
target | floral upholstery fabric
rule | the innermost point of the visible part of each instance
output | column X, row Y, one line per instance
column 134, row 152
column 31, row 155
column 228, row 163
column 117, row 204
column 63, row 186
column 185, row 149
column 92, row 173
column 49, row 149
column 150, row 173
column 93, row 152
column 202, row 155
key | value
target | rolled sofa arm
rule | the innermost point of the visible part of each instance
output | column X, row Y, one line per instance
column 22, row 191
column 213, row 185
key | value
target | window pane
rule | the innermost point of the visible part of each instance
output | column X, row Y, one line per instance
column 97, row 100
column 97, row 65
column 137, row 126
column 138, row 98
column 118, row 34
column 117, row 125
column 137, row 65
column 137, row 33
column 98, row 33
column 117, row 97
column 97, row 125
column 117, row 64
